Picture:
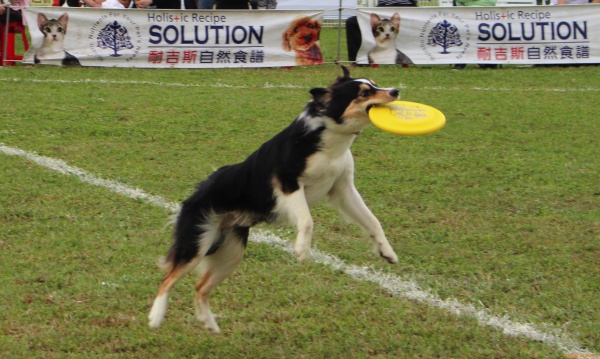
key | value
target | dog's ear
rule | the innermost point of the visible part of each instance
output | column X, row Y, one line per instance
column 286, row 41
column 346, row 77
column 318, row 93
column 318, row 105
column 346, row 72
column 342, row 79
column 317, row 25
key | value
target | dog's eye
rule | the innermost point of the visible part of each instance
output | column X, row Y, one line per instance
column 310, row 26
column 365, row 93
column 296, row 29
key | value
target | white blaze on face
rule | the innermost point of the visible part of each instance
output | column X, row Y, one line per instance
column 368, row 82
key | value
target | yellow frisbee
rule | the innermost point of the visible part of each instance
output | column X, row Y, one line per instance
column 407, row 118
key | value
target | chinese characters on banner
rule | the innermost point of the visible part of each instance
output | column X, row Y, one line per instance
column 499, row 35
column 173, row 38
column 213, row 39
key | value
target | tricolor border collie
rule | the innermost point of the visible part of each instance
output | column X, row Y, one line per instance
column 305, row 162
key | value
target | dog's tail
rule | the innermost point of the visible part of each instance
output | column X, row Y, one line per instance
column 163, row 264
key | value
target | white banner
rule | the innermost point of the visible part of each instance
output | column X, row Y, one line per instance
column 483, row 35
column 173, row 38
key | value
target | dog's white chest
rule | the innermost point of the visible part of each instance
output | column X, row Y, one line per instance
column 321, row 173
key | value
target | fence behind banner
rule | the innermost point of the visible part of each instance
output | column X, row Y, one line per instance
column 435, row 32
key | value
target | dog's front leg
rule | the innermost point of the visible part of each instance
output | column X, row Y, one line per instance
column 294, row 205
column 346, row 199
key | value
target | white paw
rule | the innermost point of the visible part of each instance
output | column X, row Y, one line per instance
column 302, row 254
column 154, row 321
column 387, row 253
column 213, row 328
column 157, row 313
column 211, row 325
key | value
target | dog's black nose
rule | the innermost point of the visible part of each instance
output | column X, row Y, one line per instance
column 394, row 93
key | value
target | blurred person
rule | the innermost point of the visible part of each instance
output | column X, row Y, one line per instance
column 71, row 3
column 268, row 4
column 108, row 4
column 569, row 2
column 205, row 4
column 157, row 4
column 232, row 4
column 12, row 10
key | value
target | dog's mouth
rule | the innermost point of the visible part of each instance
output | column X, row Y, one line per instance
column 390, row 96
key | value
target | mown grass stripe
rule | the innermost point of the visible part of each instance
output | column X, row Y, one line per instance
column 392, row 284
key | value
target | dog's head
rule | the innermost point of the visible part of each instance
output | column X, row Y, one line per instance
column 53, row 30
column 301, row 34
column 348, row 101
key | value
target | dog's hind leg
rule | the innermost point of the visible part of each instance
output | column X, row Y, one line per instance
column 159, row 307
column 346, row 199
column 219, row 263
column 191, row 243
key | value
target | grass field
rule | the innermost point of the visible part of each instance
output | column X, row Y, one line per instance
column 499, row 211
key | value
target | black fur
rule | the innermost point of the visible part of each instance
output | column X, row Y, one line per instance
column 307, row 161
column 245, row 186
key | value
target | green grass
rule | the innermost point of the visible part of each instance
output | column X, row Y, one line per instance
column 500, row 209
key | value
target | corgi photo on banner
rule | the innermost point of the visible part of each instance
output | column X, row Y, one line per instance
column 385, row 32
column 278, row 183
column 52, row 51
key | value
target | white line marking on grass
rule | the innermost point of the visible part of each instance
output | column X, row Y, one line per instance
column 267, row 85
column 62, row 167
column 392, row 284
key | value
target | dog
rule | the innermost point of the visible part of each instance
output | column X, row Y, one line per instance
column 52, row 51
column 308, row 160
column 385, row 32
column 302, row 37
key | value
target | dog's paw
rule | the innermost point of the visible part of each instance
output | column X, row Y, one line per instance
column 208, row 318
column 211, row 325
column 302, row 257
column 157, row 313
column 154, row 322
column 393, row 259
column 387, row 253
column 213, row 329
column 302, row 254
